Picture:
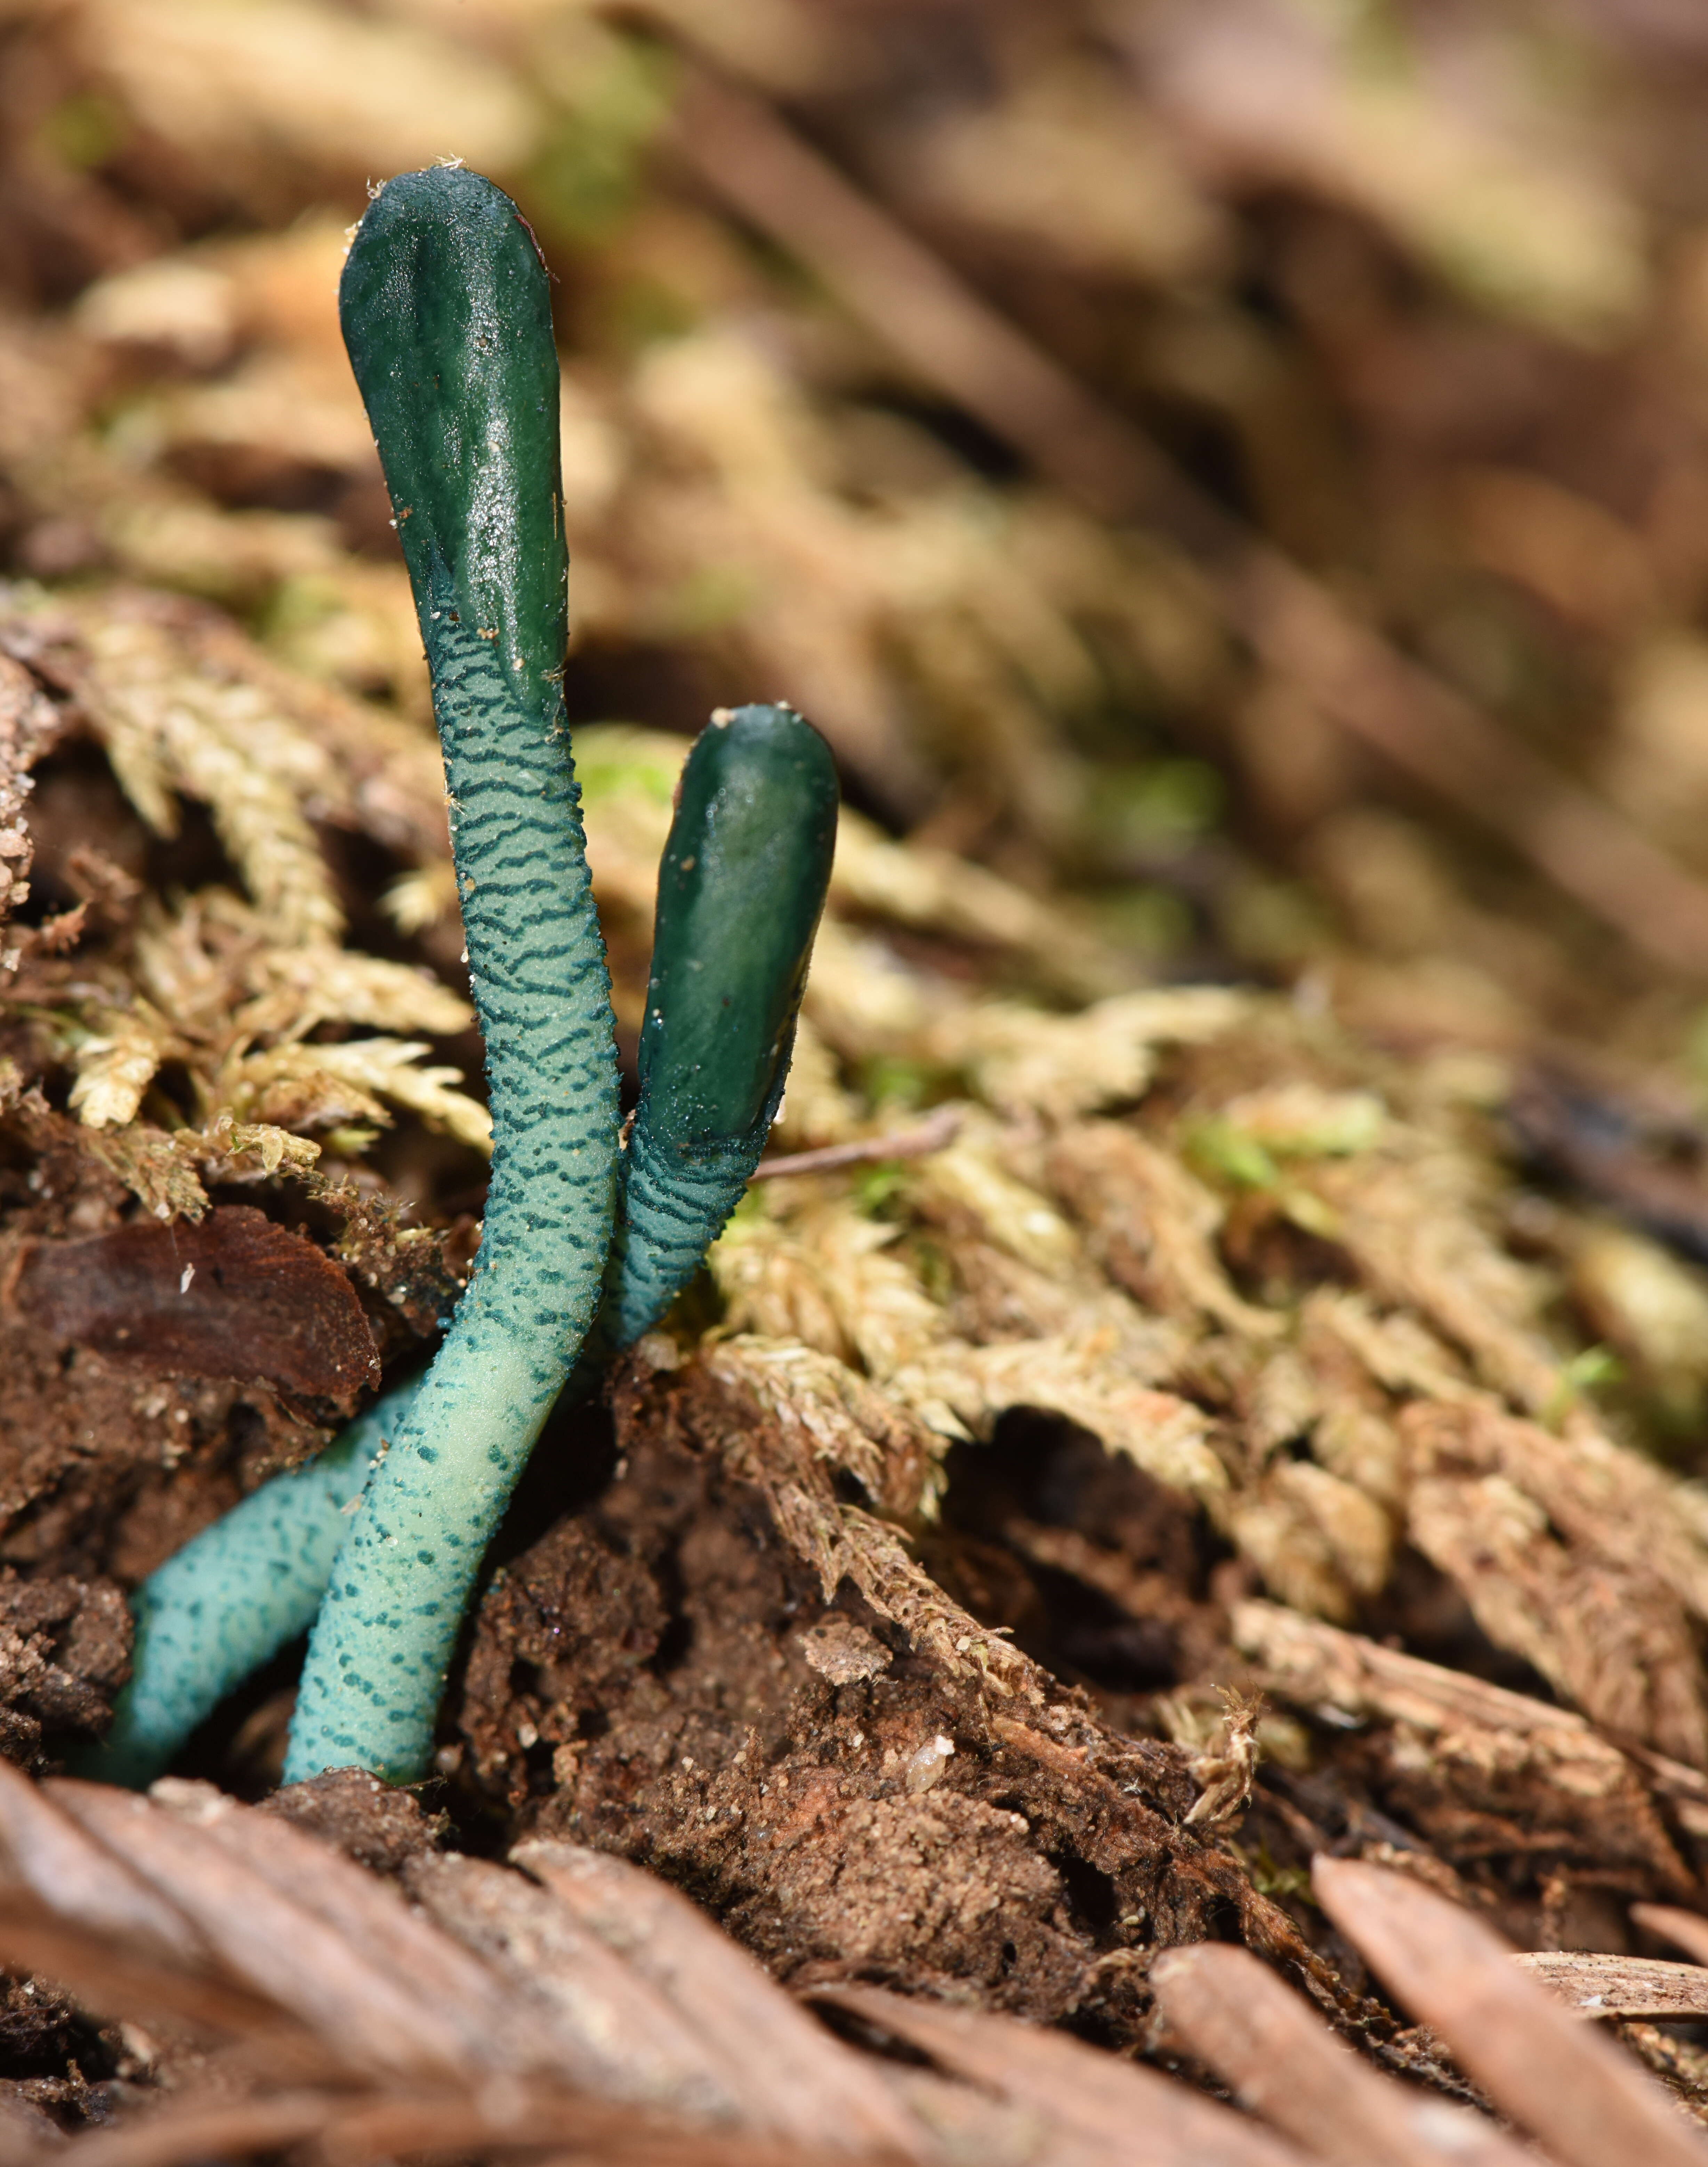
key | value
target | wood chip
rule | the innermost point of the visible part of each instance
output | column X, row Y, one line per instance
column 1103, row 2102
column 614, row 2032
column 796, row 2080
column 1283, row 2063
column 1556, row 2077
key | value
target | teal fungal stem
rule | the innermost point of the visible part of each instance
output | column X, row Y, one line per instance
column 445, row 315
column 234, row 1596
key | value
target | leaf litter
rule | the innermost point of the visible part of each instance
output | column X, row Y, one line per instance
column 1192, row 1443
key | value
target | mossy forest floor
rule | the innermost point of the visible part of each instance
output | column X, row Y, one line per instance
column 1216, row 1376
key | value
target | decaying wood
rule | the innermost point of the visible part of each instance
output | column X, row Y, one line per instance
column 1597, row 1985
column 1490, row 1750
column 838, row 1830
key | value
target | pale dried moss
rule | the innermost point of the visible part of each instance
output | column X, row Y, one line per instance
column 991, row 611
column 28, row 726
column 116, row 1064
column 234, row 987
column 1318, row 1430
column 170, row 734
column 786, row 1419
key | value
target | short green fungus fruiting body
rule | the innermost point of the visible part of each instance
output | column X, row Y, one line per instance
column 446, row 316
column 740, row 888
column 233, row 1597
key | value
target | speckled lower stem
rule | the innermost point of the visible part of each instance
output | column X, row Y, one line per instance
column 232, row 1598
column 383, row 1642
column 740, row 886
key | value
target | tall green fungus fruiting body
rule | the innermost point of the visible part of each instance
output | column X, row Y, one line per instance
column 445, row 314
column 740, row 888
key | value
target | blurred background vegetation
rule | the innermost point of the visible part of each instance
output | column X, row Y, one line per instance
column 1243, row 469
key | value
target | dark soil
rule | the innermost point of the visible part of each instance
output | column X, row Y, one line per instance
column 660, row 1675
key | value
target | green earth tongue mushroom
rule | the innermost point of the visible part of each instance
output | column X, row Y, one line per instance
column 740, row 888
column 446, row 316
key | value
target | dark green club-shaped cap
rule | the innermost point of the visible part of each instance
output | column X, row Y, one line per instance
column 446, row 309
column 740, row 888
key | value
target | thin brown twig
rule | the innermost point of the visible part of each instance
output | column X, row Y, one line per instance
column 739, row 147
column 931, row 1136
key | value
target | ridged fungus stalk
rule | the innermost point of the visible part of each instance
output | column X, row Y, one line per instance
column 446, row 310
